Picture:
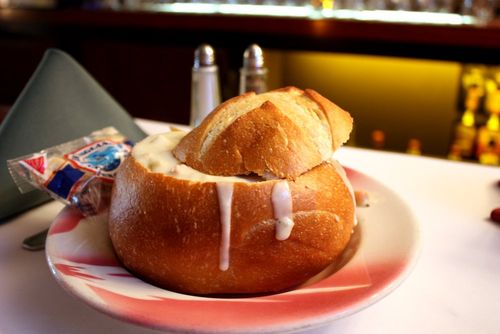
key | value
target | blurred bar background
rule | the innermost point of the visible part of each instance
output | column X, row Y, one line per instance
column 418, row 76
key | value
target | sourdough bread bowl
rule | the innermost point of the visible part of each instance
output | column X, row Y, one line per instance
column 249, row 202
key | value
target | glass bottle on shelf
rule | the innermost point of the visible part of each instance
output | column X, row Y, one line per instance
column 414, row 147
column 455, row 153
column 488, row 142
column 463, row 142
column 378, row 139
column 465, row 130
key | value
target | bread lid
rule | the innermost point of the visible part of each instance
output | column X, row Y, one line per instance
column 278, row 134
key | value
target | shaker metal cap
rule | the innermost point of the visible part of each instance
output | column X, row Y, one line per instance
column 204, row 55
column 253, row 57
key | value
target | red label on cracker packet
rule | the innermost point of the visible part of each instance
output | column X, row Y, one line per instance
column 38, row 163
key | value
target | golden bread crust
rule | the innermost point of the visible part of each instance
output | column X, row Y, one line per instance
column 285, row 133
column 168, row 231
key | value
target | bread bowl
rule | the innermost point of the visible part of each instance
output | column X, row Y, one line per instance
column 190, row 216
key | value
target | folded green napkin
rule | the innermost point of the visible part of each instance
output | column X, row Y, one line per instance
column 61, row 102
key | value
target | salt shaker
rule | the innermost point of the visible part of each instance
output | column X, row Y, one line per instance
column 253, row 74
column 205, row 91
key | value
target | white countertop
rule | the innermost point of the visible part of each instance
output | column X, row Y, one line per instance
column 454, row 287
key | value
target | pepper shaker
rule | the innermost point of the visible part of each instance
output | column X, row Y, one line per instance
column 205, row 90
column 253, row 74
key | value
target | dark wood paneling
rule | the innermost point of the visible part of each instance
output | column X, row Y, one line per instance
column 144, row 59
column 463, row 43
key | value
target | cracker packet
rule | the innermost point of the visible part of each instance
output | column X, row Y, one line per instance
column 80, row 172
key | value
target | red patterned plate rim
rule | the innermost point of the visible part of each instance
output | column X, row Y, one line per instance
column 81, row 258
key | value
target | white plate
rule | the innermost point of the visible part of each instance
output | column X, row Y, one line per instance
column 383, row 251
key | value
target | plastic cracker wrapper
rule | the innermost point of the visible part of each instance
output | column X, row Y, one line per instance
column 79, row 172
